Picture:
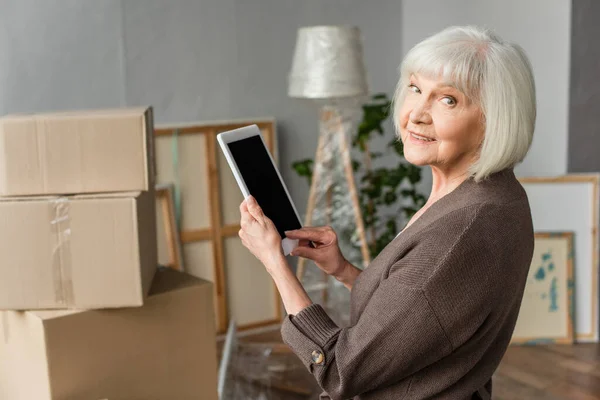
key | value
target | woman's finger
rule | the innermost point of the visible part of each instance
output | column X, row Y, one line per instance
column 304, row 242
column 242, row 236
column 318, row 234
column 254, row 209
column 246, row 219
column 305, row 252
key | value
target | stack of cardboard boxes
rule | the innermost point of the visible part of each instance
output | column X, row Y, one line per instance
column 86, row 314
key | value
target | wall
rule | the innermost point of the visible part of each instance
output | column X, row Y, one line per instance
column 584, row 124
column 542, row 28
column 60, row 54
column 220, row 59
column 191, row 60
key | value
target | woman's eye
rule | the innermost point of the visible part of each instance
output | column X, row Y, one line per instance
column 449, row 101
column 413, row 88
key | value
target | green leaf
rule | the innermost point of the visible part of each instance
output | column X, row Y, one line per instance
column 409, row 212
column 374, row 192
column 390, row 198
column 420, row 200
column 397, row 176
column 304, row 168
column 414, row 174
column 391, row 226
column 408, row 192
column 397, row 146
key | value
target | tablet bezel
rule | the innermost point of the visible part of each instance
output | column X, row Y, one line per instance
column 245, row 132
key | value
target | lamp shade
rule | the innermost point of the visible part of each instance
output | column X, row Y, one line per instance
column 328, row 63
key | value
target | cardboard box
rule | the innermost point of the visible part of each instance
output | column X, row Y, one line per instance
column 165, row 350
column 77, row 152
column 82, row 251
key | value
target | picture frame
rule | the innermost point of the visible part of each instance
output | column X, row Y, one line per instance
column 546, row 315
column 569, row 203
column 165, row 206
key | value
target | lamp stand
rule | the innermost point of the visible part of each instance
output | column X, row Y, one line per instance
column 333, row 198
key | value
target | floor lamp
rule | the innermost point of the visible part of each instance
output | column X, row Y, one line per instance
column 328, row 68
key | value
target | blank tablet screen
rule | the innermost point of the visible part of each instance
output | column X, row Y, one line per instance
column 261, row 179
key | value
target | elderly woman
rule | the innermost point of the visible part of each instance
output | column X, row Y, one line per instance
column 433, row 314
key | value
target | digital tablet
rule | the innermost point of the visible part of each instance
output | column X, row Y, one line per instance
column 257, row 175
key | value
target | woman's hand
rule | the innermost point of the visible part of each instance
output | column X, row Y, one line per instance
column 259, row 234
column 325, row 253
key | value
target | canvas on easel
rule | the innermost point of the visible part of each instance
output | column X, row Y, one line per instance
column 207, row 208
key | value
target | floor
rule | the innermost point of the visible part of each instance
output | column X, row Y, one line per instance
column 549, row 372
column 266, row 370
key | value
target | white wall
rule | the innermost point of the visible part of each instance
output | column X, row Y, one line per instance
column 543, row 29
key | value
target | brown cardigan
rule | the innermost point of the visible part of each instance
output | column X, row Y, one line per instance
column 433, row 314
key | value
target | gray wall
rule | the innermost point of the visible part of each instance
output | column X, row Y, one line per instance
column 584, row 121
column 221, row 59
column 542, row 28
column 191, row 60
column 218, row 59
column 60, row 54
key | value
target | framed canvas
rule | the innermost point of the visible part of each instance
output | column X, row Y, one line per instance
column 207, row 200
column 170, row 253
column 547, row 309
column 570, row 204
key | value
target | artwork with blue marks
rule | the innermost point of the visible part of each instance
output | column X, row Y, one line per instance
column 546, row 313
column 543, row 274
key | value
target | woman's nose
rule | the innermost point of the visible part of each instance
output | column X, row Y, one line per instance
column 420, row 113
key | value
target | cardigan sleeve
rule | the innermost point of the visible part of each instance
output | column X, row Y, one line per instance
column 409, row 323
column 397, row 334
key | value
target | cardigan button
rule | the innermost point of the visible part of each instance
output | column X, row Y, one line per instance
column 318, row 357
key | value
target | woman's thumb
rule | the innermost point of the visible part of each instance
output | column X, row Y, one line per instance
column 305, row 252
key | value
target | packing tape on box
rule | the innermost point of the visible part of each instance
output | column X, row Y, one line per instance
column 60, row 223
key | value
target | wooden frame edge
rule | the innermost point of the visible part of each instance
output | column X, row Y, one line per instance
column 164, row 194
column 199, row 235
column 207, row 128
column 217, row 239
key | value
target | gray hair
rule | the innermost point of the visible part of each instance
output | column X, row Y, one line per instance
column 494, row 74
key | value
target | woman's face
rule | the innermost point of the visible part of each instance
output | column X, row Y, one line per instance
column 439, row 126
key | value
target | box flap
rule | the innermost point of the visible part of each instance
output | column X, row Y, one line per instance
column 30, row 199
column 46, row 198
column 130, row 195
column 94, row 113
column 165, row 280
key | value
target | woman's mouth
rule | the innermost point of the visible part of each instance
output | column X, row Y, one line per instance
column 420, row 138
